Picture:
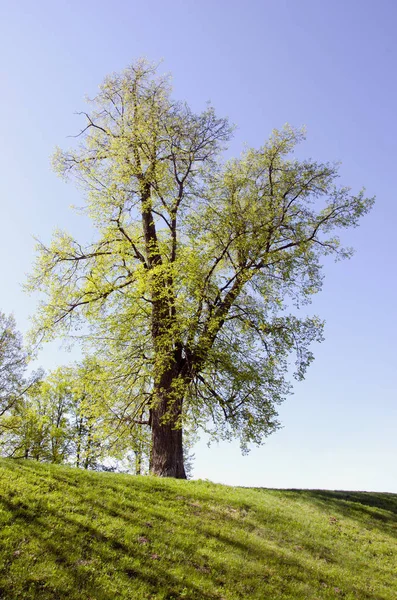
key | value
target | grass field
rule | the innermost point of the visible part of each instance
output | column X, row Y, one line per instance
column 70, row 534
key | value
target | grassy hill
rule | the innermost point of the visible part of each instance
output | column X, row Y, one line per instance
column 70, row 534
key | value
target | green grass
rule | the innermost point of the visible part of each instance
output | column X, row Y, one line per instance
column 70, row 534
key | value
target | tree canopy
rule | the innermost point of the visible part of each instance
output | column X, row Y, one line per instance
column 190, row 290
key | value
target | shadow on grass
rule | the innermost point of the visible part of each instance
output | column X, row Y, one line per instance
column 93, row 545
column 92, row 531
column 77, row 544
column 386, row 502
column 369, row 509
column 86, row 539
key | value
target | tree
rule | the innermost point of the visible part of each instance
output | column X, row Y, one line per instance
column 14, row 385
column 189, row 288
column 13, row 363
column 37, row 425
column 71, row 416
column 93, row 417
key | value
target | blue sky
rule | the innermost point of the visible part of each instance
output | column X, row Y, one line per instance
column 328, row 65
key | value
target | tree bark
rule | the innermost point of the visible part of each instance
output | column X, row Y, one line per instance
column 167, row 445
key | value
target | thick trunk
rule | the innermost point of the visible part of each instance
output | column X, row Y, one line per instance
column 167, row 449
column 167, row 446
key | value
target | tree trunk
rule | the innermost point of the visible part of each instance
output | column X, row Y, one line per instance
column 167, row 446
column 138, row 459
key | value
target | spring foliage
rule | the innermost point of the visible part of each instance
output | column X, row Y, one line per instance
column 70, row 417
column 189, row 291
column 13, row 364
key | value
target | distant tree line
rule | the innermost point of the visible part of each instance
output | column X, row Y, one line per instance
column 77, row 415
column 74, row 415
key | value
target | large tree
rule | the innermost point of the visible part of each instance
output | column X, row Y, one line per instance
column 190, row 286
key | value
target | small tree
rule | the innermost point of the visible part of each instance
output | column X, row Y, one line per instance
column 37, row 425
column 89, row 414
column 187, row 290
column 13, row 363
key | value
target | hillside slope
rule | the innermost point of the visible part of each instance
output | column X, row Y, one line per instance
column 70, row 534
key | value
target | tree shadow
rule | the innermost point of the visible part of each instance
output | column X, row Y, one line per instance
column 236, row 527
column 61, row 551
column 368, row 509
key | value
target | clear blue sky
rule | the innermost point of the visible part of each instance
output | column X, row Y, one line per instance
column 330, row 65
